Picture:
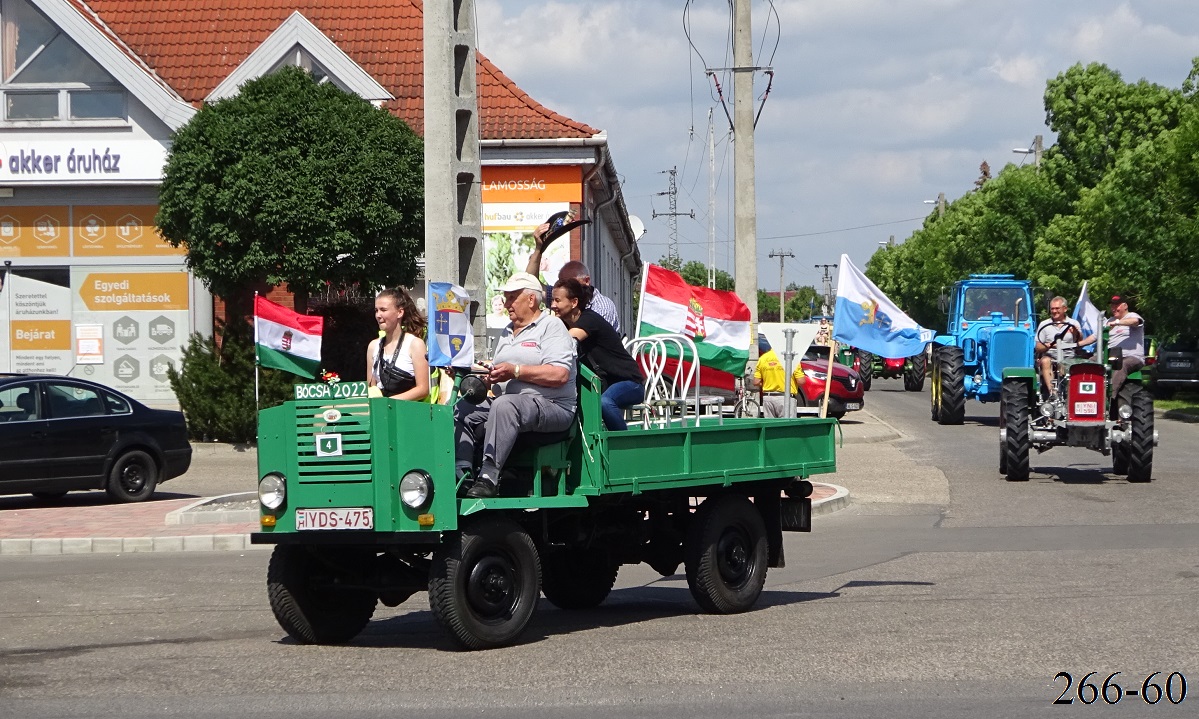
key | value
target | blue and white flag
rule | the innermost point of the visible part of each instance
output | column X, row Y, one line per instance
column 865, row 318
column 1087, row 314
column 451, row 343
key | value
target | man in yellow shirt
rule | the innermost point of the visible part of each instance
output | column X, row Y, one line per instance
column 769, row 375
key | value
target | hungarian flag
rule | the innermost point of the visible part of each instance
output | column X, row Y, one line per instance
column 287, row 340
column 716, row 320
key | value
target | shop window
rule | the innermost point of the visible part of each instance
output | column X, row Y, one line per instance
column 47, row 76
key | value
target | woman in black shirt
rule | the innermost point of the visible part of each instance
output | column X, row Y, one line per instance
column 601, row 350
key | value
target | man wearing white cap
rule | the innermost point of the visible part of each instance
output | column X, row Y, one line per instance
column 534, row 368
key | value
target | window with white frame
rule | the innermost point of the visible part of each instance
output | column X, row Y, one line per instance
column 47, row 76
column 299, row 57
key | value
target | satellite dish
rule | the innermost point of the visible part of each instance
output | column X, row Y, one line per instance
column 637, row 226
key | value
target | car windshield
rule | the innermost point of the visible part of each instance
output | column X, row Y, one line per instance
column 980, row 302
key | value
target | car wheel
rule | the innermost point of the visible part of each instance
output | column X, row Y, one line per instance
column 133, row 477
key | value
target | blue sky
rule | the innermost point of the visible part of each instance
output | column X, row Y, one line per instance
column 875, row 107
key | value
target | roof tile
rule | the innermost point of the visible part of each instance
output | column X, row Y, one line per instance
column 192, row 45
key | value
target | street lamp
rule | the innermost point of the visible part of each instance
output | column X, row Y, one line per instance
column 939, row 202
column 1036, row 150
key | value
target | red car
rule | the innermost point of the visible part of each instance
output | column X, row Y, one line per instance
column 847, row 393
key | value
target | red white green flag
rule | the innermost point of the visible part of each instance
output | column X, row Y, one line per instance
column 287, row 340
column 716, row 320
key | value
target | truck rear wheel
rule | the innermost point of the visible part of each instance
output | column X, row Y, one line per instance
column 953, row 386
column 726, row 555
column 484, row 583
column 913, row 377
column 305, row 603
column 577, row 578
column 935, row 391
column 1140, row 449
column 1018, row 442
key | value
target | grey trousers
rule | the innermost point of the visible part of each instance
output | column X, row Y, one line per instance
column 772, row 405
column 1127, row 367
column 497, row 423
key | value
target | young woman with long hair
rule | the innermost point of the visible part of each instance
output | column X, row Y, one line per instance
column 396, row 362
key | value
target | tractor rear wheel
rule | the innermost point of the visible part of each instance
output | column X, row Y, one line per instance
column 865, row 368
column 953, row 386
column 913, row 376
column 935, row 392
column 1017, row 440
column 1140, row 449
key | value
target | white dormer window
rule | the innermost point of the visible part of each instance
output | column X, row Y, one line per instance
column 47, row 77
column 300, row 58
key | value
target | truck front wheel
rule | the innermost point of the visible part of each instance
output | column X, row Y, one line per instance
column 952, row 391
column 305, row 601
column 577, row 578
column 726, row 555
column 484, row 584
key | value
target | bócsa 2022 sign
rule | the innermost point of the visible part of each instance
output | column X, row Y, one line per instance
column 341, row 390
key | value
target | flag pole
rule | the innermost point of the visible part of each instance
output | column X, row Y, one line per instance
column 828, row 378
column 256, row 405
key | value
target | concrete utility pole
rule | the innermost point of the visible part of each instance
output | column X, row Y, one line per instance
column 453, row 191
column 782, row 286
column 711, row 203
column 744, row 204
column 1036, row 150
column 672, row 250
column 828, row 284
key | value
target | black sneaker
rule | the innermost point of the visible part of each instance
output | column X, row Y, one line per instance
column 483, row 489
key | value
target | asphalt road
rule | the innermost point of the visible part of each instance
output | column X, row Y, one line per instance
column 941, row 591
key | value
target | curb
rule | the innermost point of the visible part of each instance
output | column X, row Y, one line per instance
column 185, row 515
column 127, row 545
column 828, row 505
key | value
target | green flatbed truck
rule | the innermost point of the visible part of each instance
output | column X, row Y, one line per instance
column 359, row 498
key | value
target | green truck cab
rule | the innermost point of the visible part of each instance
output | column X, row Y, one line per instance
column 358, row 495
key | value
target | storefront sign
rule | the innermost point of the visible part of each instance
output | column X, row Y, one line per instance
column 118, row 231
column 523, row 183
column 34, row 232
column 84, row 161
column 125, row 291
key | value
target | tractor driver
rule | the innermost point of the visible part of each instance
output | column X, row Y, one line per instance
column 1057, row 328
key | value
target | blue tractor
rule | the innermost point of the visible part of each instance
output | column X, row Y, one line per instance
column 991, row 327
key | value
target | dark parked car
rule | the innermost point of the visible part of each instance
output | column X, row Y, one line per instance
column 1175, row 367
column 59, row 434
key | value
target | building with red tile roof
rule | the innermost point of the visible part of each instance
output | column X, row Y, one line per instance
column 143, row 68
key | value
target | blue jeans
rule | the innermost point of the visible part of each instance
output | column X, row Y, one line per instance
column 616, row 398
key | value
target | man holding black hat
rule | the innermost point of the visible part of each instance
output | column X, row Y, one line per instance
column 1128, row 333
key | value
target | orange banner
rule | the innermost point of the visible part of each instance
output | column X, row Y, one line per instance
column 119, row 230
column 527, row 183
column 41, row 335
column 124, row 291
column 33, row 232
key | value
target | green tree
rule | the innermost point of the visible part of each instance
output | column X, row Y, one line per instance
column 294, row 182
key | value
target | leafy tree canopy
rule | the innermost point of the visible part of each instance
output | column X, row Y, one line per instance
column 295, row 182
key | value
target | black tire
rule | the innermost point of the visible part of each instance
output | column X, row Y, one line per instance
column 1120, row 458
column 485, row 583
column 1015, row 399
column 725, row 555
column 935, row 392
column 133, row 477
column 953, row 386
column 913, row 378
column 1140, row 449
column 49, row 496
column 577, row 579
column 866, row 369
column 308, row 610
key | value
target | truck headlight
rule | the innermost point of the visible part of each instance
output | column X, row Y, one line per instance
column 272, row 490
column 1125, row 411
column 416, row 489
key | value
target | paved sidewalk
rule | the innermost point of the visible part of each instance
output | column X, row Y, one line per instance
column 84, row 523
